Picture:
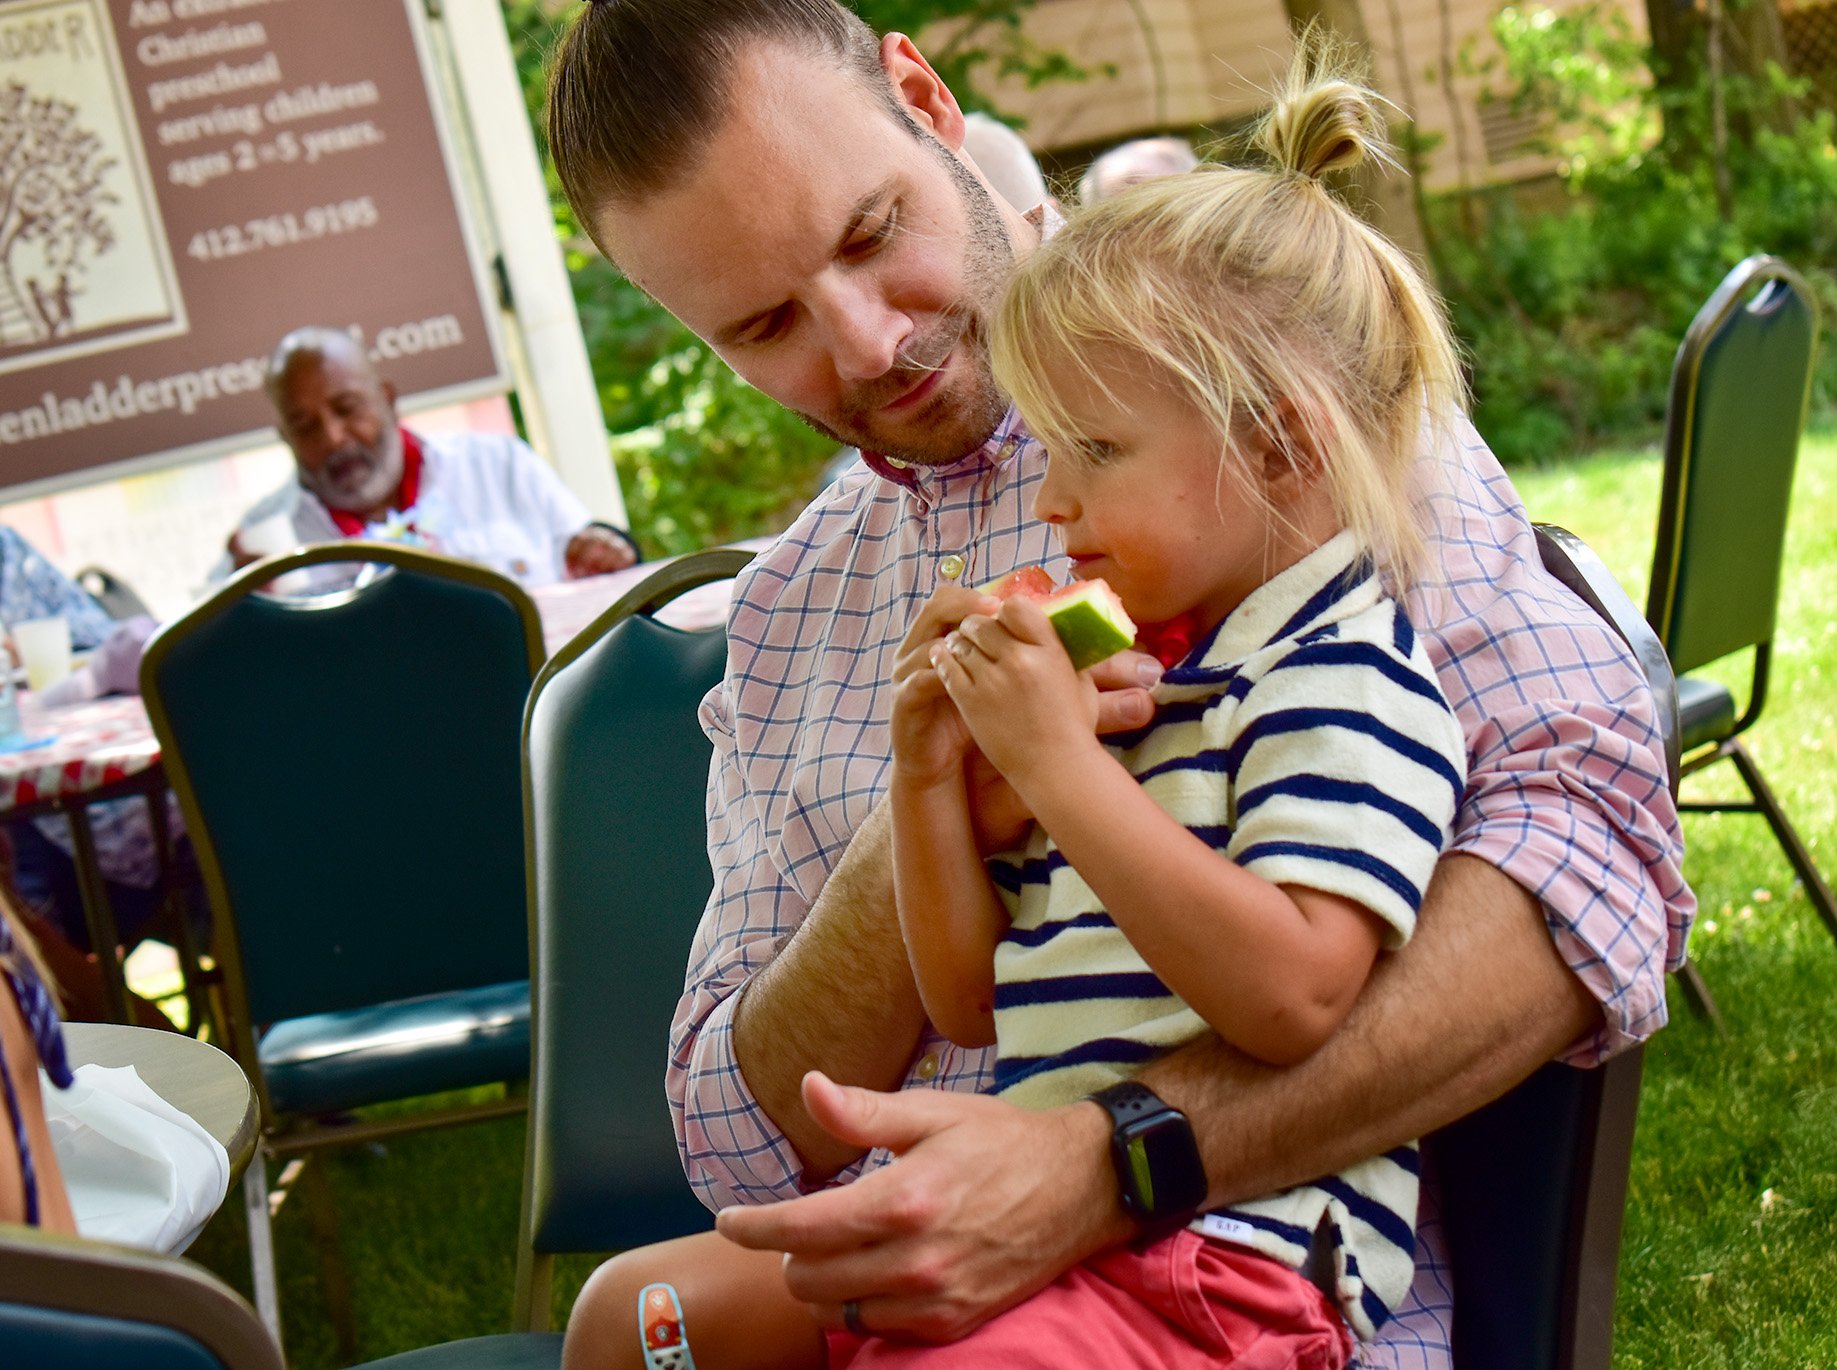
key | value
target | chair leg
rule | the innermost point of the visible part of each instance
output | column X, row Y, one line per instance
column 261, row 1244
column 1815, row 889
column 323, row 1220
column 1701, row 1001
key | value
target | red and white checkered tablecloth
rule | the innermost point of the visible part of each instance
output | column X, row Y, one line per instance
column 91, row 746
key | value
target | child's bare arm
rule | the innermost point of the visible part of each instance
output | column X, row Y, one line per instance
column 1273, row 969
column 949, row 914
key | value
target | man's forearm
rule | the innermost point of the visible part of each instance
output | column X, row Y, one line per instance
column 838, row 997
column 1477, row 1001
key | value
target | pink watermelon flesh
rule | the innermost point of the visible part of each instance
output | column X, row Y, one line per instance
column 1087, row 615
column 1030, row 582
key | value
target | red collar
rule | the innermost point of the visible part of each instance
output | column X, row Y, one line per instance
column 1172, row 642
column 352, row 525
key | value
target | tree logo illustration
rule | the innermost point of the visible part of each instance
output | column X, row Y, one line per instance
column 51, row 220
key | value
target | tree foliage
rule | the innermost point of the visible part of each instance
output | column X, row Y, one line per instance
column 1572, row 314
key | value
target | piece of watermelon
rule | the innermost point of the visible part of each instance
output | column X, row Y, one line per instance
column 1030, row 582
column 1090, row 621
column 1087, row 614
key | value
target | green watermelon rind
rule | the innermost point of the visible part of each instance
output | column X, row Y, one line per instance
column 1091, row 622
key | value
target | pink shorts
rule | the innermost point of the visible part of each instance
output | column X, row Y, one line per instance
column 1185, row 1301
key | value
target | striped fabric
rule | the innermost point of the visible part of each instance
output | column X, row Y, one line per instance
column 39, row 1012
column 1308, row 741
column 1566, row 790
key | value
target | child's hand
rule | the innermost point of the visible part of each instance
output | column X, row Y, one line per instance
column 928, row 734
column 1014, row 686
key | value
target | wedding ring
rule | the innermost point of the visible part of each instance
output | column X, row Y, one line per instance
column 851, row 1319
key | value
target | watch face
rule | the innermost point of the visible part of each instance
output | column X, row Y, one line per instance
column 1164, row 1165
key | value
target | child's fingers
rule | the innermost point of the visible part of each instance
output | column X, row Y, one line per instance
column 985, row 634
column 1026, row 621
column 956, row 661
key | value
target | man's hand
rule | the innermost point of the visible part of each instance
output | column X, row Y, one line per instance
column 987, row 1204
column 240, row 556
column 597, row 550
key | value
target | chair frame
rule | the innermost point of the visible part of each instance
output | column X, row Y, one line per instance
column 1600, row 1208
column 534, row 1294
column 282, row 1135
column 1601, row 1105
column 1737, row 291
column 73, row 1275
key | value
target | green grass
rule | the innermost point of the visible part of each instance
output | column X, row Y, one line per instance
column 1730, row 1254
column 1714, row 1272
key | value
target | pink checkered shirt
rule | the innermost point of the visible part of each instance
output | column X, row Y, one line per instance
column 1567, row 791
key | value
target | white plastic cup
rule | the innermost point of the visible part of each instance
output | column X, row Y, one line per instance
column 268, row 538
column 44, row 650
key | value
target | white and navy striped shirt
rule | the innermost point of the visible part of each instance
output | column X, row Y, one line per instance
column 1307, row 740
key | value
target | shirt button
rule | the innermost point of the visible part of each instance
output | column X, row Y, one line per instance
column 927, row 1068
column 951, row 567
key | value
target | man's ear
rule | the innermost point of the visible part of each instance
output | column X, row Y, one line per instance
column 921, row 90
column 389, row 392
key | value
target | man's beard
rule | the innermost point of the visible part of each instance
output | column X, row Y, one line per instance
column 950, row 423
column 364, row 482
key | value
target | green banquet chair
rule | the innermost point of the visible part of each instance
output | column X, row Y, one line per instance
column 614, row 781
column 1533, row 1185
column 348, row 768
column 1739, row 392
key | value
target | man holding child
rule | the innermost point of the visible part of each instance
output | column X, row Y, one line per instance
column 794, row 190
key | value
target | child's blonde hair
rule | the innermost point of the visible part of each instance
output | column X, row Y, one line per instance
column 1264, row 301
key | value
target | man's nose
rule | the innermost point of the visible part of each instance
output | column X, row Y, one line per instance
column 864, row 332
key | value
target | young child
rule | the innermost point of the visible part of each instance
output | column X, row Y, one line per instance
column 1232, row 374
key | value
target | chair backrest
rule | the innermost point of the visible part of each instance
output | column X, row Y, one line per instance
column 115, row 595
column 616, row 799
column 348, row 768
column 1534, row 1184
column 69, row 1304
column 1739, row 392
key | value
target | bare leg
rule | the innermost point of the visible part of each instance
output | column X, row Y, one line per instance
column 737, row 1313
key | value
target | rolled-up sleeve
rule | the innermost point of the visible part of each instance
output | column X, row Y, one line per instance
column 1569, row 797
column 732, row 1152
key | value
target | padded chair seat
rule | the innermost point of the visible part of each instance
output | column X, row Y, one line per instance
column 54, row 1339
column 329, row 1062
column 513, row 1351
column 1706, row 712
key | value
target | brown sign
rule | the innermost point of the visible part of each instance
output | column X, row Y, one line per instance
column 181, row 182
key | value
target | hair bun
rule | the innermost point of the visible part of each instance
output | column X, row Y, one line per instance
column 1324, row 117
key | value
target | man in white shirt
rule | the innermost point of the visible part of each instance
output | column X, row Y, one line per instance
column 481, row 496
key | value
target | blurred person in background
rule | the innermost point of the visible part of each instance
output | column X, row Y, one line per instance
column 1006, row 162
column 358, row 472
column 1136, row 160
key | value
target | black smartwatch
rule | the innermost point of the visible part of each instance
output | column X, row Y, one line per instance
column 1158, row 1171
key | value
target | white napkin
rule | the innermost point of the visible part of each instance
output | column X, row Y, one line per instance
column 139, row 1171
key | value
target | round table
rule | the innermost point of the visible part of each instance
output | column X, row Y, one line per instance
column 194, row 1077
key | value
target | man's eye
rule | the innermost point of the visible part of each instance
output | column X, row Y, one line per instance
column 873, row 237
column 771, row 327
